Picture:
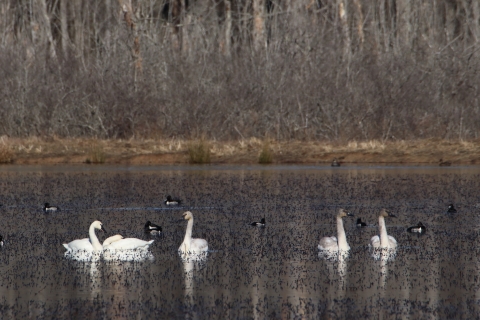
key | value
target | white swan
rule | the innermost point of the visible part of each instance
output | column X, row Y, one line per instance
column 332, row 244
column 190, row 245
column 116, row 248
column 120, row 243
column 384, row 241
column 84, row 249
column 87, row 244
column 111, row 239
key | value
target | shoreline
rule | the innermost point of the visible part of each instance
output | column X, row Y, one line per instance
column 34, row 151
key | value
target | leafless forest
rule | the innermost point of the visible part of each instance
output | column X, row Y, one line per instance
column 330, row 70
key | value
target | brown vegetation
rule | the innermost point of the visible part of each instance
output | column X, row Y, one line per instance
column 199, row 152
column 266, row 154
column 302, row 70
column 174, row 151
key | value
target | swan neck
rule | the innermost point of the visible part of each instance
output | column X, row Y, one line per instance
column 188, row 236
column 97, row 246
column 342, row 238
column 383, row 232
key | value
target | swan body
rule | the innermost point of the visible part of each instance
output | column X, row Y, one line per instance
column 116, row 248
column 172, row 202
column 334, row 244
column 85, row 249
column 111, row 239
column 259, row 224
column 152, row 228
column 451, row 208
column 129, row 244
column 383, row 241
column 87, row 244
column 48, row 208
column 190, row 245
column 1, row 241
column 419, row 228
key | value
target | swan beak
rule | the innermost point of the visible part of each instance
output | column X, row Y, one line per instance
column 180, row 220
column 103, row 229
column 392, row 215
column 350, row 214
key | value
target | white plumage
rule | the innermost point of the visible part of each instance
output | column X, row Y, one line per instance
column 190, row 245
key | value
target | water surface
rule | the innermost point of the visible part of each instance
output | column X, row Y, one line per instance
column 250, row 273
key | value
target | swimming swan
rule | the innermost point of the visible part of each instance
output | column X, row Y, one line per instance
column 384, row 241
column 117, row 242
column 139, row 253
column 333, row 244
column 111, row 239
column 88, row 244
column 190, row 245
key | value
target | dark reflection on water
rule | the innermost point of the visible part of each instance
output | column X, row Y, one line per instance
column 250, row 272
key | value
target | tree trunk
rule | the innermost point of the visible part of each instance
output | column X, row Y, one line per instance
column 403, row 23
column 64, row 25
column 47, row 29
column 228, row 27
column 78, row 27
column 360, row 20
column 346, row 34
column 259, row 24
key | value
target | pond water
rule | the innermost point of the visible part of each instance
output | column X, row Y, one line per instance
column 250, row 273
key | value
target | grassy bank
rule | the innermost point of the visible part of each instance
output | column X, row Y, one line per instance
column 248, row 151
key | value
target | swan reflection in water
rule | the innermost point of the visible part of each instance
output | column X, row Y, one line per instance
column 192, row 263
column 337, row 274
column 127, row 255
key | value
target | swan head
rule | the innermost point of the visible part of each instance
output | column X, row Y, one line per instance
column 385, row 213
column 98, row 225
column 187, row 215
column 344, row 213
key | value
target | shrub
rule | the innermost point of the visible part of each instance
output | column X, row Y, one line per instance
column 199, row 152
column 6, row 154
column 96, row 155
column 266, row 155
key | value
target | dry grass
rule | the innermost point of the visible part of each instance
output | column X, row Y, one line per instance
column 96, row 154
column 199, row 152
column 266, row 155
column 6, row 154
column 246, row 151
